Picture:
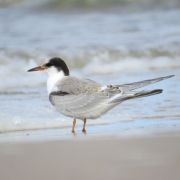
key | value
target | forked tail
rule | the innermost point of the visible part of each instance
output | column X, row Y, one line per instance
column 140, row 84
column 127, row 90
column 138, row 95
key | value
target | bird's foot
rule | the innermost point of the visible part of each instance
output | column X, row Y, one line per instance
column 73, row 132
column 84, row 131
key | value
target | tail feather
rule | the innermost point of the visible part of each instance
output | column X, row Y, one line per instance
column 139, row 84
column 125, row 91
column 136, row 95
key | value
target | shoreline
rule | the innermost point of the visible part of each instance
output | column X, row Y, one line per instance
column 138, row 128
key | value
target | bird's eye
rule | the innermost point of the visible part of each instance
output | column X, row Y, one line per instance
column 48, row 65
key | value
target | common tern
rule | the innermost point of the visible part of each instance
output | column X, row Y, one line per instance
column 84, row 98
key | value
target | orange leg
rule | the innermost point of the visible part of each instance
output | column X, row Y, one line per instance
column 74, row 125
column 84, row 126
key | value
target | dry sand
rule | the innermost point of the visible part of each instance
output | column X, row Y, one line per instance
column 154, row 157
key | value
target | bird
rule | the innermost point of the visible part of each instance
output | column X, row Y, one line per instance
column 87, row 99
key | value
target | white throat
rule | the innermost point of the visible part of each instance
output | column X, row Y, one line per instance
column 54, row 76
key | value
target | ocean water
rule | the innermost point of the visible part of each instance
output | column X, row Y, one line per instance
column 111, row 47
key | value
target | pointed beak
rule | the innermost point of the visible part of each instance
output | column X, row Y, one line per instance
column 39, row 68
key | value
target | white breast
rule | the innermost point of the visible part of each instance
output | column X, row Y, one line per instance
column 54, row 76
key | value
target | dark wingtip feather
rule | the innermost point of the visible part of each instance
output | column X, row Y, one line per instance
column 170, row 76
column 156, row 91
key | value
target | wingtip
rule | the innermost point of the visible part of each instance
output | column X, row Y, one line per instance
column 170, row 76
column 158, row 91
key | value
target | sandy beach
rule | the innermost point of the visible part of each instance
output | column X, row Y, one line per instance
column 137, row 158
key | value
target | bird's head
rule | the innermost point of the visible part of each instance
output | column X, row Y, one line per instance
column 54, row 65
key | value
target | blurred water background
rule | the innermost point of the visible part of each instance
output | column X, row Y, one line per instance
column 115, row 41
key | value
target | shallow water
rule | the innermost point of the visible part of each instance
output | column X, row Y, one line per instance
column 114, row 47
column 28, row 110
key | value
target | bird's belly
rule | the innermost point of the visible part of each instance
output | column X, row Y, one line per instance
column 82, row 106
column 89, row 113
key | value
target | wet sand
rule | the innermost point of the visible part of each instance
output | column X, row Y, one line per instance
column 111, row 158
